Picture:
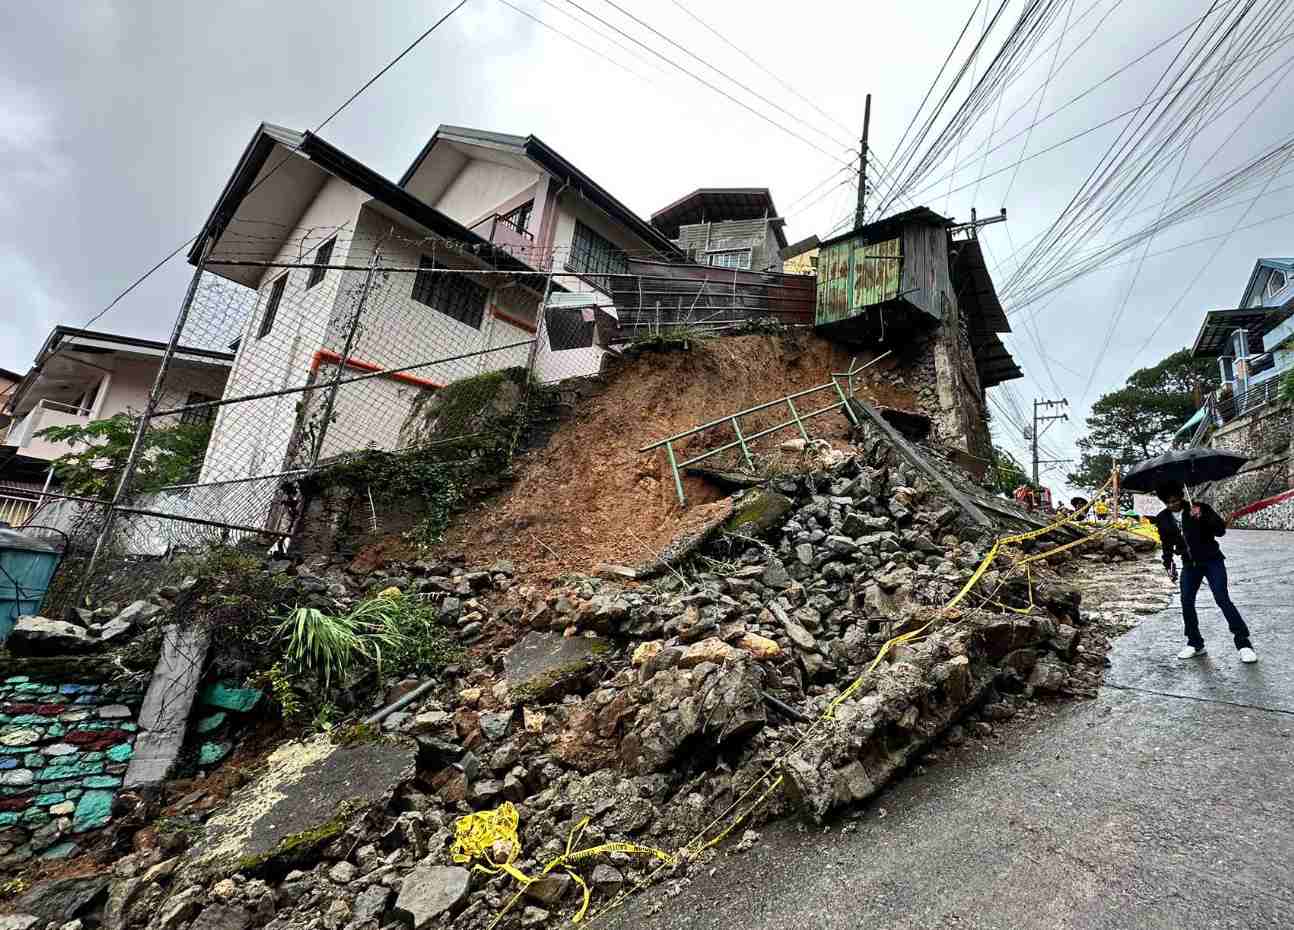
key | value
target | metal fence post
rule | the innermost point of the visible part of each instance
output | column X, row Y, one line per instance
column 343, row 360
column 136, row 447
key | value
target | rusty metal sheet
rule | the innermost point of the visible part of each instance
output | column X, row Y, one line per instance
column 876, row 272
column 833, row 283
column 854, row 275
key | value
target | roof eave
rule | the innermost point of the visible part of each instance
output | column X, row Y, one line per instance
column 541, row 152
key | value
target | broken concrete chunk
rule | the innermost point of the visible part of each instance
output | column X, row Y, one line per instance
column 543, row 666
column 307, row 795
column 430, row 891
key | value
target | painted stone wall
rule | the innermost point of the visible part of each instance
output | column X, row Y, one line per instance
column 64, row 747
column 1266, row 436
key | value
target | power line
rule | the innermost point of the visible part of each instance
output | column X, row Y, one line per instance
column 349, row 100
column 669, row 61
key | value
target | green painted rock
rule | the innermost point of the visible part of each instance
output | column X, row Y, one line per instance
column 211, row 753
column 34, row 816
column 64, row 850
column 236, row 699
column 75, row 770
column 8, row 819
column 49, row 798
column 121, row 753
column 102, row 781
column 23, row 737
column 93, row 810
column 17, row 680
column 213, row 722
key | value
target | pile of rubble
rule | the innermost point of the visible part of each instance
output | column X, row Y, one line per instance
column 648, row 709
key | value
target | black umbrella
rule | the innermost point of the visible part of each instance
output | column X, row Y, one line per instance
column 1189, row 466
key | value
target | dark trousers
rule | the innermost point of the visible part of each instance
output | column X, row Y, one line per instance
column 1215, row 571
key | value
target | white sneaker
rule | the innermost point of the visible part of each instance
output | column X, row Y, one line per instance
column 1190, row 652
column 1248, row 656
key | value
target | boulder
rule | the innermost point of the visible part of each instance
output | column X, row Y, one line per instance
column 48, row 637
column 758, row 511
column 760, row 647
column 61, row 900
column 431, row 891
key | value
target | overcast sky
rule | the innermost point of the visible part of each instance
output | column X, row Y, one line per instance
column 121, row 121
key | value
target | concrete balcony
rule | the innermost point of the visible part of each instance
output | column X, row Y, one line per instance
column 503, row 233
column 46, row 413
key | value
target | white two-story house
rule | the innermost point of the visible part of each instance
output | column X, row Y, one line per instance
column 482, row 217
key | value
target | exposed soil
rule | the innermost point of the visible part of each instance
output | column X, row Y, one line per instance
column 590, row 496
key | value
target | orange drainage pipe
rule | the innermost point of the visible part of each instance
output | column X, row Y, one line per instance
column 323, row 355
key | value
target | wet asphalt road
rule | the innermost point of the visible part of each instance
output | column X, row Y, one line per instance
column 1166, row 804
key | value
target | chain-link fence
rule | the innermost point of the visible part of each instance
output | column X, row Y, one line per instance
column 280, row 369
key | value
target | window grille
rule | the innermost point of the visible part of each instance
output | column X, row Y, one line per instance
column 595, row 255
column 323, row 255
column 272, row 306
column 454, row 295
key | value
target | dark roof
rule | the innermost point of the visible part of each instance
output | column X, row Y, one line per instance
column 11, row 375
column 1218, row 325
column 977, row 297
column 338, row 163
column 799, row 248
column 719, row 205
column 890, row 225
column 59, row 333
column 536, row 149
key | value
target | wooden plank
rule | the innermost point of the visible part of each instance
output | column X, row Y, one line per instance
column 165, row 714
column 917, row 459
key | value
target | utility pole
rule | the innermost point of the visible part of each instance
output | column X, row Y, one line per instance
column 1047, row 420
column 862, row 165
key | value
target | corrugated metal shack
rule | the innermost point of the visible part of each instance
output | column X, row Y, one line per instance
column 887, row 276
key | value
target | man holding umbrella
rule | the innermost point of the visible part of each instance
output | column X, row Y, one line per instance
column 1192, row 530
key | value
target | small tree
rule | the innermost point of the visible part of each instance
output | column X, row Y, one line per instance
column 170, row 455
column 1005, row 474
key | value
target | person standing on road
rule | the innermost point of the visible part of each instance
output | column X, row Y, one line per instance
column 1194, row 534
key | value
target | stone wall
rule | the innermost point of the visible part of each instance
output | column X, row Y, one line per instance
column 64, row 746
column 941, row 372
column 1266, row 436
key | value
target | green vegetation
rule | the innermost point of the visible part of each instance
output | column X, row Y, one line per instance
column 1287, row 387
column 1005, row 474
column 169, row 455
column 394, row 634
column 1138, row 420
column 665, row 339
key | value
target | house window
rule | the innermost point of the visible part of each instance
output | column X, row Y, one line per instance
column 272, row 306
column 202, row 414
column 1275, row 283
column 323, row 255
column 594, row 255
column 455, row 295
column 519, row 218
column 567, row 328
column 735, row 258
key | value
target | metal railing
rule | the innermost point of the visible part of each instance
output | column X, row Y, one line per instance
column 743, row 440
